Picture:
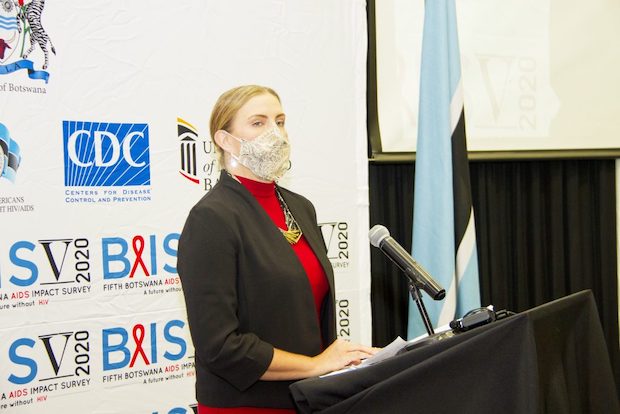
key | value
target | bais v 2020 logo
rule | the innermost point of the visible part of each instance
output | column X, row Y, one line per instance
column 38, row 273
column 337, row 241
column 25, row 46
column 34, row 273
column 106, row 162
column 147, row 353
column 46, row 363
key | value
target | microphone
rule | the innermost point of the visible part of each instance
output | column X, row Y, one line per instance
column 380, row 237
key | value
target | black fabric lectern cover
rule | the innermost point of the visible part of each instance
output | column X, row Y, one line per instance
column 551, row 359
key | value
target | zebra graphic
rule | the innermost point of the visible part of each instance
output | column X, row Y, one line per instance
column 31, row 14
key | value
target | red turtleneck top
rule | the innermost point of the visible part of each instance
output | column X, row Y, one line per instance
column 265, row 194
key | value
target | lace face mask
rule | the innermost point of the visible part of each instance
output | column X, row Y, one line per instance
column 267, row 155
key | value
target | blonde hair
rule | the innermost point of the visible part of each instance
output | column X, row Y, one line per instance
column 227, row 106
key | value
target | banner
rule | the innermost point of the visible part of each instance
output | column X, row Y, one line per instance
column 105, row 147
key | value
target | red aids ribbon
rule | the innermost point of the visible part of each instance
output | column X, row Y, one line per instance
column 138, row 336
column 138, row 247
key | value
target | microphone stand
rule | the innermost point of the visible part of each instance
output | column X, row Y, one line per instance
column 432, row 336
column 417, row 298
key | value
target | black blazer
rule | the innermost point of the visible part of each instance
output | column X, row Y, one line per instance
column 246, row 292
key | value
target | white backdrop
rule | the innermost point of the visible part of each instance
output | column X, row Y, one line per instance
column 91, row 310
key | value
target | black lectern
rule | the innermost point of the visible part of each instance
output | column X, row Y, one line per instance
column 550, row 359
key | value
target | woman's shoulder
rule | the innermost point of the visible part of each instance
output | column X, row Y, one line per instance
column 222, row 199
column 215, row 215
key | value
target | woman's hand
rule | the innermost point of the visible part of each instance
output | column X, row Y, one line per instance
column 341, row 354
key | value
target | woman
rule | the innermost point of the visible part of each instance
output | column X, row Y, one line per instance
column 258, row 285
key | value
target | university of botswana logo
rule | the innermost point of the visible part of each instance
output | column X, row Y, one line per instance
column 22, row 35
column 198, row 164
column 189, row 139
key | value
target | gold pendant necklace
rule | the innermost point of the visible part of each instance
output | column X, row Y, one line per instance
column 293, row 232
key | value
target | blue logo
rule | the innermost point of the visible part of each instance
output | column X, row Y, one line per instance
column 144, row 255
column 10, row 156
column 150, row 345
column 101, row 154
column 192, row 409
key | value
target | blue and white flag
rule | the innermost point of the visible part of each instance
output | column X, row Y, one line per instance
column 444, row 236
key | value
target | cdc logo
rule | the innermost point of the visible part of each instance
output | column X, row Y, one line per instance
column 101, row 154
